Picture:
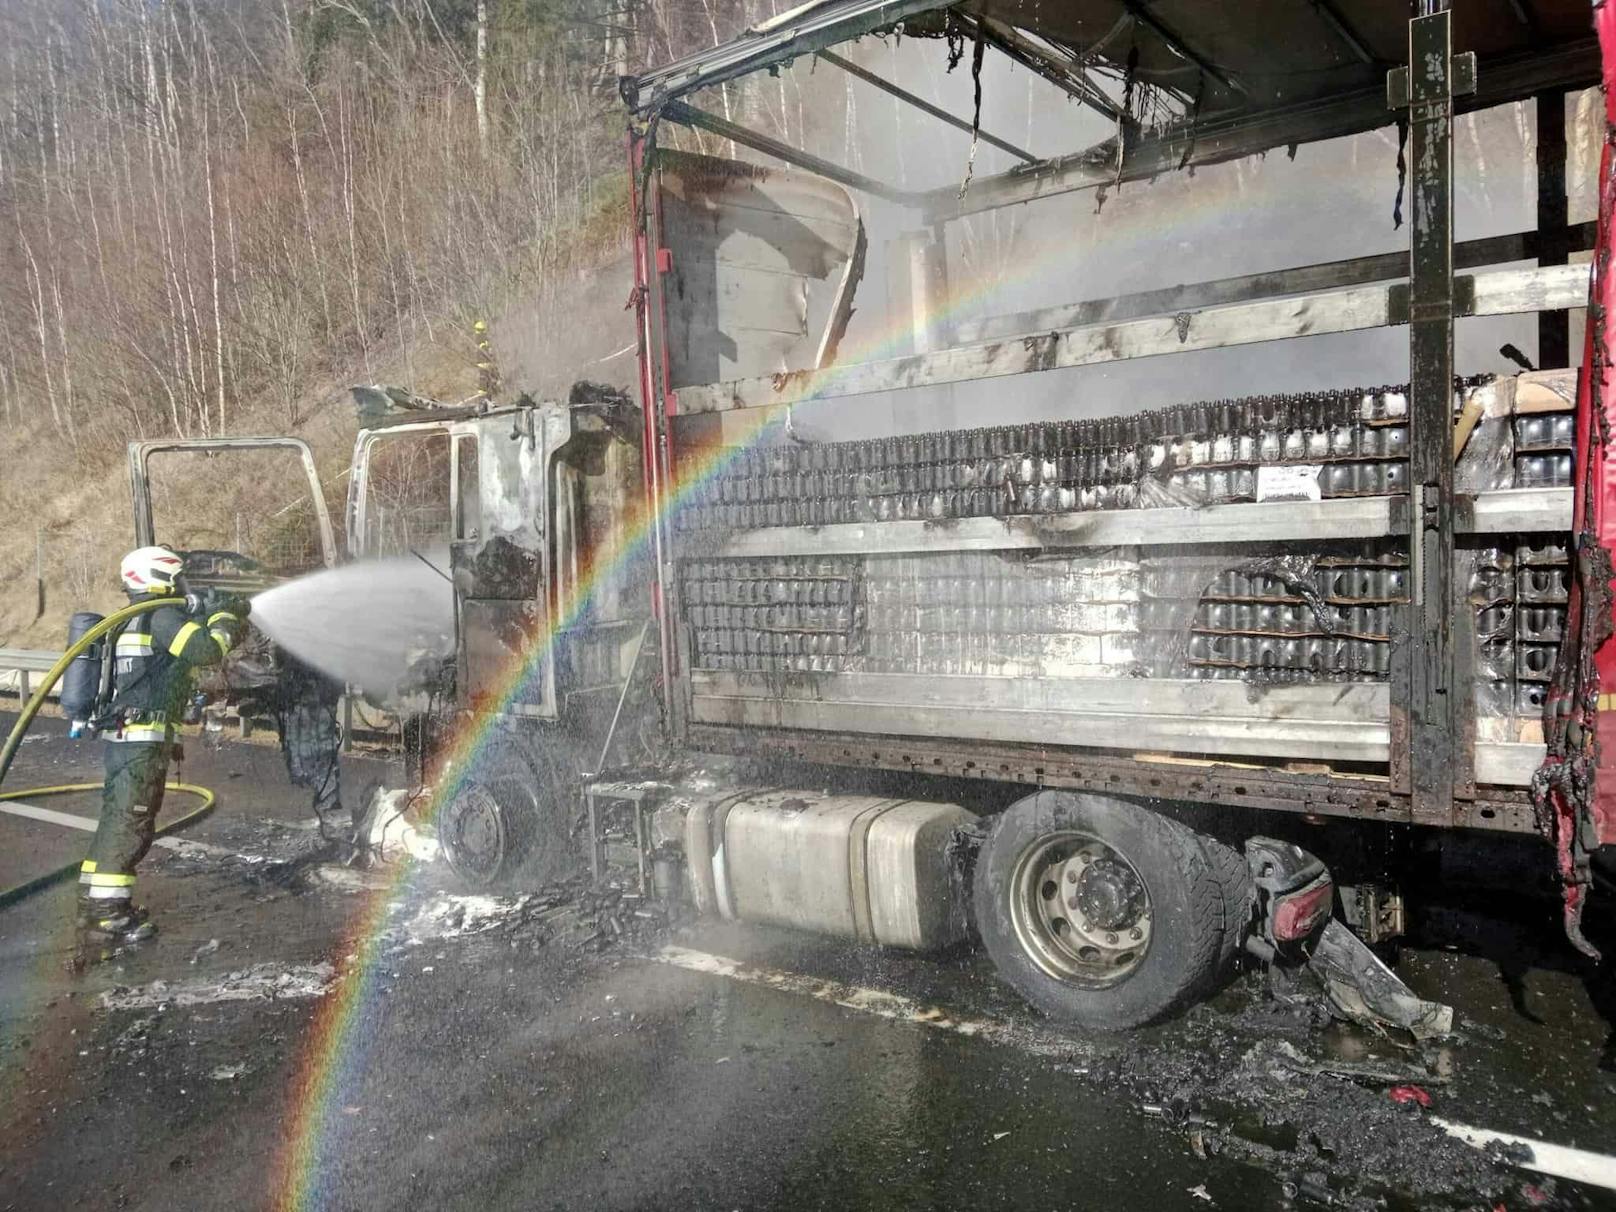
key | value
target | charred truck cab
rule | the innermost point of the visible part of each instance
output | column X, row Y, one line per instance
column 551, row 604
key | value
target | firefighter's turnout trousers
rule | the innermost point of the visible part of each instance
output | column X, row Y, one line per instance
column 130, row 800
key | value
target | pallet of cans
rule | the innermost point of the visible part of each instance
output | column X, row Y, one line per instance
column 775, row 615
column 1520, row 595
column 1274, row 620
column 985, row 613
column 1543, row 449
column 1204, row 453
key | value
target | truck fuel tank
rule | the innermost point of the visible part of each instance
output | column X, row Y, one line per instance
column 862, row 867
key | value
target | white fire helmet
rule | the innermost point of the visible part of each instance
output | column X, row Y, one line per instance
column 151, row 570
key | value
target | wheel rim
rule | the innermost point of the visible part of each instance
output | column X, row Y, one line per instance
column 473, row 834
column 1080, row 910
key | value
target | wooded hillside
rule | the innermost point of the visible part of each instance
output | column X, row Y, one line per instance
column 208, row 203
column 214, row 214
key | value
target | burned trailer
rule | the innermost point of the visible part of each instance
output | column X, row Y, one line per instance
column 1377, row 604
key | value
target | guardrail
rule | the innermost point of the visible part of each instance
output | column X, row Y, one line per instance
column 19, row 667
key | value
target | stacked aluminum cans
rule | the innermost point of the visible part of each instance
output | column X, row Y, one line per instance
column 1311, row 613
column 1197, row 453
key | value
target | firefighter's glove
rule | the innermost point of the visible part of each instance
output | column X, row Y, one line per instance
column 225, row 619
column 217, row 601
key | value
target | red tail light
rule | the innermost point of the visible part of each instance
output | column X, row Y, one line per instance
column 1297, row 914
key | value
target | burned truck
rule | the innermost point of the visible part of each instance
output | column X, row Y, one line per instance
column 1350, row 609
column 1364, row 615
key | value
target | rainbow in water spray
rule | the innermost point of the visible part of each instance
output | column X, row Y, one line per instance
column 334, row 1052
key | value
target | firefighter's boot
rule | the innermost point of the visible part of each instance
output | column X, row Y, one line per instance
column 106, row 927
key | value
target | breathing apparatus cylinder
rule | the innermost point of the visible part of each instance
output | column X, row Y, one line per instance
column 81, row 684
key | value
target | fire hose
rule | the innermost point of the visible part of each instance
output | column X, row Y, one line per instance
column 8, row 752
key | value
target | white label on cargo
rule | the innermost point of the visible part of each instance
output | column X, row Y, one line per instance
column 1293, row 482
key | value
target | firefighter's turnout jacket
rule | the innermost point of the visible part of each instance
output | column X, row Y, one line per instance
column 152, row 683
column 152, row 666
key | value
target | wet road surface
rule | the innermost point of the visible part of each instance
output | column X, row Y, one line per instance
column 428, row 1051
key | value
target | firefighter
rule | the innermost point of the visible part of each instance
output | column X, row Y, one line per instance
column 488, row 381
column 151, row 686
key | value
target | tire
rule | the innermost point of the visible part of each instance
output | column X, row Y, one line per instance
column 509, row 819
column 1239, row 898
column 1136, row 874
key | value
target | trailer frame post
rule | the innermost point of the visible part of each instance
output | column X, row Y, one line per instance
column 920, row 272
column 1431, row 749
column 655, row 393
column 1553, row 327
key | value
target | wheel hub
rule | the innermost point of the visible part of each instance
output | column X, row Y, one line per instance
column 1108, row 894
column 473, row 833
column 1080, row 910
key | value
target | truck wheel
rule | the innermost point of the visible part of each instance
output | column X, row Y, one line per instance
column 474, row 830
column 1100, row 913
column 509, row 818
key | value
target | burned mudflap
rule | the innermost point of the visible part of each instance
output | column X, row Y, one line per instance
column 1310, row 954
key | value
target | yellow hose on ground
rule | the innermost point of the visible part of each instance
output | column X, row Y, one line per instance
column 8, row 753
column 67, row 870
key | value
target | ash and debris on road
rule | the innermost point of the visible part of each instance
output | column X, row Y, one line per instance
column 1255, row 1079
column 1275, row 1082
column 569, row 913
column 266, row 982
column 527, row 1001
column 1249, row 1081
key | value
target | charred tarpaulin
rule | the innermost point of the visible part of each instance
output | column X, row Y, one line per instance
column 1570, row 811
column 1563, row 787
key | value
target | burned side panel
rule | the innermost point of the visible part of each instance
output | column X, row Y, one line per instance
column 1576, row 806
column 762, row 265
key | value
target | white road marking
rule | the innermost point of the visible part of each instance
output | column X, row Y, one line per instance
column 865, row 1000
column 1560, row 1161
column 180, row 845
column 49, row 815
column 261, row 982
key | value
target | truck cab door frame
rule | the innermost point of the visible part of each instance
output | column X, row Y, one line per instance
column 476, row 510
column 140, row 454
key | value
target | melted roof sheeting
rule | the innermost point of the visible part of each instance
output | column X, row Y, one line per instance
column 1280, row 52
column 1231, row 60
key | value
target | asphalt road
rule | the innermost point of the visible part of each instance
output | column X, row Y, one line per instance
column 426, row 1050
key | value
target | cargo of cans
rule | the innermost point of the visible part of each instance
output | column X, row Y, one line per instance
column 1208, row 453
column 1326, row 613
